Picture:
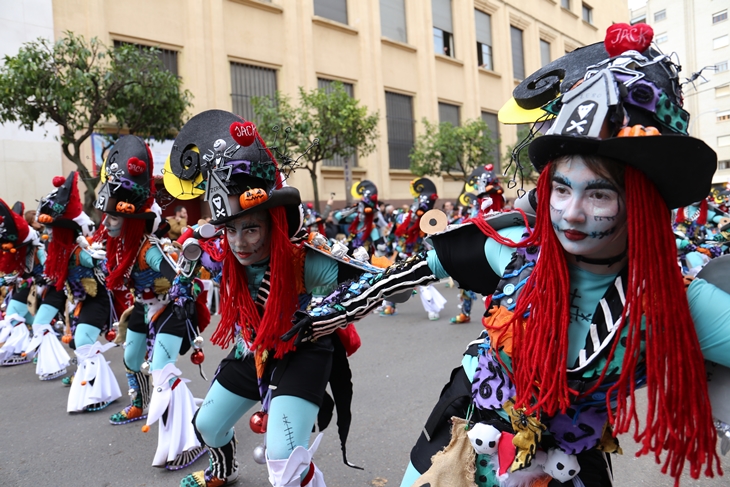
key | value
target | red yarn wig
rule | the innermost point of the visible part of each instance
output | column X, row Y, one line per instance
column 679, row 417
column 60, row 249
column 122, row 251
column 238, row 305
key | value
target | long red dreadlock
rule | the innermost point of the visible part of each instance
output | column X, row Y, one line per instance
column 60, row 249
column 679, row 418
column 122, row 251
column 238, row 305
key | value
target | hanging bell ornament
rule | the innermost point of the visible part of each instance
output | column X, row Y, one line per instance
column 258, row 422
column 259, row 455
column 198, row 341
column 110, row 335
column 197, row 357
column 145, row 367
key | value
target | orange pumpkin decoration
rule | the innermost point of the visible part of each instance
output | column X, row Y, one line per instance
column 638, row 131
column 124, row 207
column 45, row 218
column 252, row 197
column 66, row 339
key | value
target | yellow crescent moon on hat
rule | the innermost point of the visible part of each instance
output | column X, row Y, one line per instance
column 433, row 221
column 353, row 190
column 512, row 113
column 180, row 188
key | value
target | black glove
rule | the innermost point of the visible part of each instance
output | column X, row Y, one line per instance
column 301, row 328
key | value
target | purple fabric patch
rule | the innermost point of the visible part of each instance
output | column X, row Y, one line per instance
column 576, row 432
column 642, row 93
column 491, row 385
column 210, row 264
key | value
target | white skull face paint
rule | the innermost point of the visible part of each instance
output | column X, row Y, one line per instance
column 587, row 211
column 249, row 237
column 113, row 225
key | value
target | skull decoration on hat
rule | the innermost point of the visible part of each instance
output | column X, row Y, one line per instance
column 366, row 224
column 586, row 302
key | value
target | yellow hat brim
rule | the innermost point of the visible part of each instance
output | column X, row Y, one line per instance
column 180, row 188
column 512, row 113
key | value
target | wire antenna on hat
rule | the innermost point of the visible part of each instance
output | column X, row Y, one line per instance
column 287, row 164
column 698, row 75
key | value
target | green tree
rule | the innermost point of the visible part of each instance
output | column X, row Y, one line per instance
column 81, row 85
column 523, row 172
column 456, row 151
column 324, row 125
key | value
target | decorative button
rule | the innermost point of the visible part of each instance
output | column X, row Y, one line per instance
column 510, row 301
column 509, row 289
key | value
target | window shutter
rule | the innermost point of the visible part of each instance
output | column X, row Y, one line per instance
column 393, row 20
column 518, row 63
column 483, row 27
column 332, row 9
column 442, row 15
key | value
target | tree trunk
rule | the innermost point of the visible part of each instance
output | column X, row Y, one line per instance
column 315, row 186
column 89, row 181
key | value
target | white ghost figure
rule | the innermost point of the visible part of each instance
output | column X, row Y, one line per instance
column 17, row 339
column 174, row 406
column 361, row 254
column 94, row 381
column 484, row 438
column 432, row 300
column 52, row 357
column 561, row 466
column 287, row 472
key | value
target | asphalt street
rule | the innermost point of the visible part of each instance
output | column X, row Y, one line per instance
column 398, row 373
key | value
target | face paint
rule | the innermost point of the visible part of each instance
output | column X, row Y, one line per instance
column 249, row 237
column 113, row 225
column 587, row 211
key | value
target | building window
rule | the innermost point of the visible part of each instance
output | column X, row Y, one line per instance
column 723, row 141
column 484, row 39
column 723, row 116
column 720, row 67
column 565, row 4
column 491, row 120
column 719, row 42
column 327, row 86
column 587, row 13
column 401, row 129
column 723, row 164
column 660, row 15
column 167, row 56
column 518, row 60
column 393, row 20
column 331, row 9
column 661, row 38
column 544, row 52
column 247, row 82
column 722, row 91
column 443, row 31
column 639, row 20
column 719, row 16
column 449, row 113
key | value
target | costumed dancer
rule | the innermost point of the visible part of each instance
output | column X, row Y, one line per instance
column 588, row 303
column 408, row 239
column 266, row 278
column 157, row 330
column 483, row 194
column 698, row 230
column 72, row 269
column 21, row 263
column 367, row 225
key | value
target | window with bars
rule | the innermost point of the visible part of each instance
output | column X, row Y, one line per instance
column 443, row 30
column 449, row 113
column 493, row 123
column 723, row 164
column 719, row 16
column 393, row 20
column 723, row 116
column 401, row 129
column 331, row 9
column 660, row 15
column 167, row 56
column 484, row 39
column 248, row 81
column 327, row 86
column 544, row 52
column 587, row 13
column 721, row 66
column 661, row 38
column 518, row 59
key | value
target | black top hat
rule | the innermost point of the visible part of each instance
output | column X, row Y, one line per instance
column 425, row 191
column 13, row 227
column 620, row 99
column 367, row 192
column 128, row 189
column 241, row 174
column 62, row 207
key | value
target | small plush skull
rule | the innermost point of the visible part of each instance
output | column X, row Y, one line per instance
column 484, row 438
column 561, row 466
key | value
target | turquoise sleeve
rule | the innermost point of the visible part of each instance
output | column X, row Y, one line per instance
column 154, row 258
column 499, row 255
column 435, row 264
column 86, row 260
column 41, row 253
column 320, row 273
column 710, row 308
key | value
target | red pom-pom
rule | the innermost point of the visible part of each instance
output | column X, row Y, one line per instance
column 624, row 37
column 197, row 357
column 310, row 205
column 259, row 422
column 434, row 197
column 489, row 167
column 136, row 166
column 58, row 181
column 243, row 133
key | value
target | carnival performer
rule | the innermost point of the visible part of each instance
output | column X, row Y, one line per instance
column 698, row 231
column 588, row 304
column 157, row 330
column 268, row 274
column 367, row 225
column 21, row 265
column 72, row 269
column 408, row 239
